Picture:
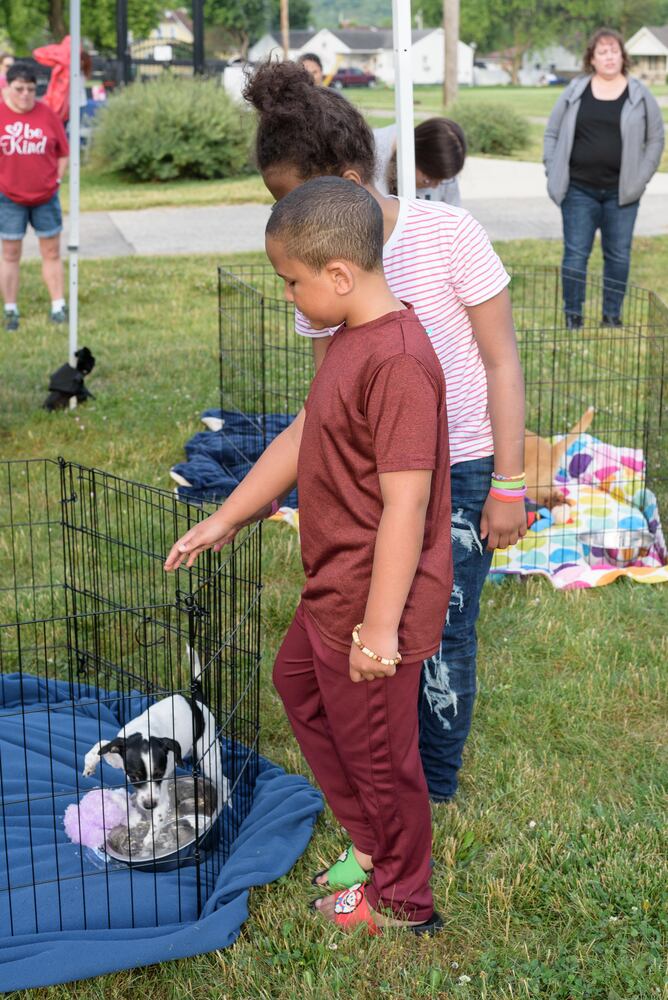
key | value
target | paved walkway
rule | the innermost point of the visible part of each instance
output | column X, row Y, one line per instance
column 507, row 196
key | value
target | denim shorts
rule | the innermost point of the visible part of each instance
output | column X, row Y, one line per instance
column 46, row 219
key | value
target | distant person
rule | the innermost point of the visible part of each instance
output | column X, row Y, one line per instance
column 58, row 91
column 602, row 145
column 33, row 160
column 313, row 63
column 6, row 60
column 440, row 151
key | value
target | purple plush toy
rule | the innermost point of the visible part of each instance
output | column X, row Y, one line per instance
column 97, row 813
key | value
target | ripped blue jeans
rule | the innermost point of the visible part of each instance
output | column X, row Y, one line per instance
column 448, row 683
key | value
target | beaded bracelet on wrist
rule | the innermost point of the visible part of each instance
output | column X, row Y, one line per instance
column 384, row 660
column 508, row 479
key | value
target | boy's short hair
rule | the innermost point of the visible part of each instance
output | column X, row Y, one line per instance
column 329, row 218
column 21, row 71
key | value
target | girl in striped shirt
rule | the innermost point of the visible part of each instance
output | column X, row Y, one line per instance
column 438, row 258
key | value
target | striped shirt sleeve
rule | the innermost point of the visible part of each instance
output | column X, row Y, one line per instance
column 304, row 328
column 476, row 272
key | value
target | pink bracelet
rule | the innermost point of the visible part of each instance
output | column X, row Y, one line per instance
column 274, row 508
column 510, row 494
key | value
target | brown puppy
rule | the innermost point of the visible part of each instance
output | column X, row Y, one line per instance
column 542, row 459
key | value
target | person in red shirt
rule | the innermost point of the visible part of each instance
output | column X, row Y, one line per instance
column 369, row 452
column 33, row 160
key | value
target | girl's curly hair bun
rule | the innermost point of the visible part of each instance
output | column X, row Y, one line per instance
column 275, row 88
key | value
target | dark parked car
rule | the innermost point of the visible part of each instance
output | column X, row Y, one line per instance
column 350, row 76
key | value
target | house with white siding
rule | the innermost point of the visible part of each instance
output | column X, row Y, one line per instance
column 175, row 27
column 648, row 49
column 372, row 50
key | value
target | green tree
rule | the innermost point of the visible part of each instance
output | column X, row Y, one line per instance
column 243, row 20
column 98, row 21
column 477, row 20
column 527, row 25
column 25, row 23
column 522, row 25
column 518, row 25
column 300, row 14
column 28, row 23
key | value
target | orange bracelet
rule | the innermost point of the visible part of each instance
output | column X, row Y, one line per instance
column 504, row 499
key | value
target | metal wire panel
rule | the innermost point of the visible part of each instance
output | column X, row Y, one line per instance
column 91, row 622
column 620, row 371
column 265, row 368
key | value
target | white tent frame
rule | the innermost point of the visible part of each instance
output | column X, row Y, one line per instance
column 403, row 97
column 74, row 172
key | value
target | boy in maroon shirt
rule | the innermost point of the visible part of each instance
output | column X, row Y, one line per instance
column 369, row 452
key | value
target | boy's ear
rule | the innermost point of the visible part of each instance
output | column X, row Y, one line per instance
column 342, row 276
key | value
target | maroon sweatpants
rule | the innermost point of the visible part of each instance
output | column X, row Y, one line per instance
column 361, row 742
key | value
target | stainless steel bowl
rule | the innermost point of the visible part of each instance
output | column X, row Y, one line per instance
column 173, row 845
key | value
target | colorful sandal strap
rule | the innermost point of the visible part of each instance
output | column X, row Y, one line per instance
column 352, row 909
column 346, row 871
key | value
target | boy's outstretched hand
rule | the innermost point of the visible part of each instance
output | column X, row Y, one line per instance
column 213, row 533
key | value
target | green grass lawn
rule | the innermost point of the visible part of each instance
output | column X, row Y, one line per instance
column 550, row 868
column 109, row 192
column 532, row 102
column 529, row 101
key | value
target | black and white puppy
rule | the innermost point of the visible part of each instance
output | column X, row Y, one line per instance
column 149, row 747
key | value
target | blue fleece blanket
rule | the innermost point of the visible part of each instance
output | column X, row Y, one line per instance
column 132, row 918
column 217, row 461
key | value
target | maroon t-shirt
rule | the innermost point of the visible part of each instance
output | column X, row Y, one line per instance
column 31, row 143
column 377, row 404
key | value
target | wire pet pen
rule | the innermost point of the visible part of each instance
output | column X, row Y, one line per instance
column 597, row 464
column 92, row 633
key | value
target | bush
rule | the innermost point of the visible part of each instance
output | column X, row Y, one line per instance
column 491, row 128
column 172, row 127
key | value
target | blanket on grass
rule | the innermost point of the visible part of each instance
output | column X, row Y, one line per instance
column 613, row 527
column 218, row 458
column 62, row 917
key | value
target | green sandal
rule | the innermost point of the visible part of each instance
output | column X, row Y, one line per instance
column 344, row 873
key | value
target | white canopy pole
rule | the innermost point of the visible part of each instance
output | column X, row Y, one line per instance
column 403, row 97
column 75, row 114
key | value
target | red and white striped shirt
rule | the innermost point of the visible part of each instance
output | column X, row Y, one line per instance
column 440, row 259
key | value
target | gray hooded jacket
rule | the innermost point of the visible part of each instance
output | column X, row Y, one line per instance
column 642, row 140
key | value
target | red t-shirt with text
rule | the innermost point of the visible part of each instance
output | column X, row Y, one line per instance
column 31, row 143
column 376, row 405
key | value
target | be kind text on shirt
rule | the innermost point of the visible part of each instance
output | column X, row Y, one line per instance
column 21, row 139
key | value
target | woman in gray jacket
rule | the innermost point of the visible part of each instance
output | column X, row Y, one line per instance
column 602, row 145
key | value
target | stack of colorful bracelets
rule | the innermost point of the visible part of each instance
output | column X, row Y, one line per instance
column 508, row 489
